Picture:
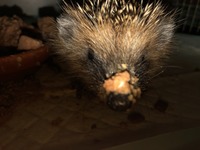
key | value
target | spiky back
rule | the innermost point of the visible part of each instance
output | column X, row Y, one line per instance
column 121, row 12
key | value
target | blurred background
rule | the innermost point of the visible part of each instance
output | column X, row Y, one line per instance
column 40, row 111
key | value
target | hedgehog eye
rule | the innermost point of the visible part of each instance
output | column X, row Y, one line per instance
column 141, row 59
column 90, row 54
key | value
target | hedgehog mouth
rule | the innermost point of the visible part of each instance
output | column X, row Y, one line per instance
column 121, row 91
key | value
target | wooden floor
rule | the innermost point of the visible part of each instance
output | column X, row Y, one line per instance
column 47, row 115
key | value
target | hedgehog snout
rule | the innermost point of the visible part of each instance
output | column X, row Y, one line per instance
column 121, row 91
column 118, row 102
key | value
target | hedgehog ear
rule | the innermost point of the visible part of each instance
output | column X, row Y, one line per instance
column 166, row 32
column 66, row 26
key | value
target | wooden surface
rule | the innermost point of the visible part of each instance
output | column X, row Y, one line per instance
column 47, row 115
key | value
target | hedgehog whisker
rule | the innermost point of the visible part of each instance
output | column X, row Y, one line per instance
column 177, row 67
column 156, row 75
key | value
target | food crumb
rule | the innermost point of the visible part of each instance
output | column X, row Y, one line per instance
column 161, row 105
column 118, row 83
column 122, row 83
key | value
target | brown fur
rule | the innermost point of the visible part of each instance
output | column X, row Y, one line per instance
column 129, row 34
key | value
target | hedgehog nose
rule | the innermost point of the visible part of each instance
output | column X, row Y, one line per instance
column 118, row 102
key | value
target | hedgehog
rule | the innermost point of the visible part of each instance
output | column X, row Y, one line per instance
column 113, row 48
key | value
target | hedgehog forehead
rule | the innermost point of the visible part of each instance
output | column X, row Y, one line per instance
column 126, row 39
column 102, row 37
column 115, row 48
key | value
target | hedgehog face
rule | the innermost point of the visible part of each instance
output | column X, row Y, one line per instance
column 114, row 52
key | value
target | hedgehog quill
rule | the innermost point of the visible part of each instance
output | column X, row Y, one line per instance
column 113, row 47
